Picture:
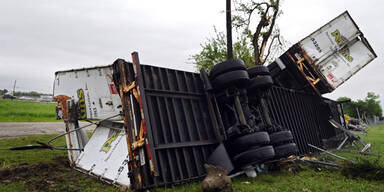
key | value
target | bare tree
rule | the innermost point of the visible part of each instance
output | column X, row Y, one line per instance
column 255, row 48
column 265, row 37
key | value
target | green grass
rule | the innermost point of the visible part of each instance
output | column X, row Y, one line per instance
column 26, row 111
column 14, row 158
column 295, row 177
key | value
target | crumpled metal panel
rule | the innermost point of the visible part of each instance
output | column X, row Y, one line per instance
column 305, row 115
column 106, row 156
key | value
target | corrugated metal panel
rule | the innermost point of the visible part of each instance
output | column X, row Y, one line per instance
column 181, row 127
column 303, row 114
column 177, row 125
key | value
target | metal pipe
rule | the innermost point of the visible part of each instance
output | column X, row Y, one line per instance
column 332, row 164
column 219, row 118
column 327, row 152
column 264, row 107
column 76, row 129
column 240, row 110
column 210, row 106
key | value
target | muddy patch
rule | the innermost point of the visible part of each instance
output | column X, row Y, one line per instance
column 52, row 176
column 366, row 169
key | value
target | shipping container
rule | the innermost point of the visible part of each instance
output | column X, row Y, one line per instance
column 105, row 154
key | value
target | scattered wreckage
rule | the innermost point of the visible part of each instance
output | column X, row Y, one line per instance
column 159, row 126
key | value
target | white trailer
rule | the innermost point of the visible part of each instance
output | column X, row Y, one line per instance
column 338, row 50
column 92, row 88
column 326, row 58
column 105, row 155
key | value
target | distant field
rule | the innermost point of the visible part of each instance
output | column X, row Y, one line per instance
column 26, row 111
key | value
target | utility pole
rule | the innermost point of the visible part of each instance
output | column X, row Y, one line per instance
column 358, row 113
column 14, row 87
column 229, row 30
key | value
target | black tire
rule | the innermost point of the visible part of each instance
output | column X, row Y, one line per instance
column 245, row 142
column 238, row 77
column 281, row 137
column 260, row 82
column 286, row 150
column 258, row 70
column 257, row 155
column 226, row 66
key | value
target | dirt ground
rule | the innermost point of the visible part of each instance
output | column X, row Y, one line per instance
column 8, row 130
column 43, row 171
column 52, row 176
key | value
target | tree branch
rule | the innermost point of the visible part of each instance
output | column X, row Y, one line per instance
column 257, row 5
column 268, row 33
column 269, row 49
column 256, row 35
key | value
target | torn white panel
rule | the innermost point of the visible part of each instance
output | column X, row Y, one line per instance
column 106, row 155
column 338, row 50
column 330, row 38
column 340, row 66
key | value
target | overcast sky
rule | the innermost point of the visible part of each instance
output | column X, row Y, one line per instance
column 40, row 37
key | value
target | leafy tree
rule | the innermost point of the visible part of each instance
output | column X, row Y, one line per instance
column 30, row 94
column 368, row 107
column 348, row 107
column 254, row 47
column 215, row 51
column 3, row 92
column 257, row 20
column 372, row 105
column 19, row 93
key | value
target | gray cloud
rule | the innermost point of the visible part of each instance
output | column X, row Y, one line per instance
column 40, row 37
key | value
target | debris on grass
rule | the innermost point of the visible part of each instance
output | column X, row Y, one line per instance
column 309, row 157
column 216, row 179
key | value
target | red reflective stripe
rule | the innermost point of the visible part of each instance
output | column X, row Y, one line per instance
column 112, row 89
column 149, row 152
column 141, row 109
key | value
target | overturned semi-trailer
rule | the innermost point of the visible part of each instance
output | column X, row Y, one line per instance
column 158, row 126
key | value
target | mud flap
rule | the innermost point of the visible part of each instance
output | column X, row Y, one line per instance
column 220, row 157
column 72, row 142
column 75, row 139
